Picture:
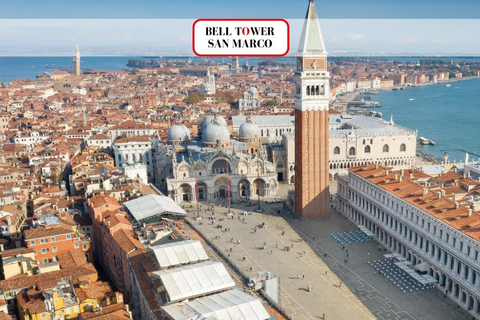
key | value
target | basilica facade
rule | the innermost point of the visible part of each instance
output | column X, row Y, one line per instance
column 215, row 167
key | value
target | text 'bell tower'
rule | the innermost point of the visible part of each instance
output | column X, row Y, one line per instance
column 312, row 93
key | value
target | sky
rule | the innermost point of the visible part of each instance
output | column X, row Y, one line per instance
column 147, row 27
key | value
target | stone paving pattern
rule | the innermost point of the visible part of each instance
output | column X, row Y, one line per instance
column 362, row 294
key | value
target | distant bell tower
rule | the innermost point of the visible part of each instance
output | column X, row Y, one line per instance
column 312, row 92
column 76, row 62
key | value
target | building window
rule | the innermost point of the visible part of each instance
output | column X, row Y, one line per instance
column 352, row 151
column 367, row 149
column 76, row 245
column 75, row 309
column 42, row 240
column 85, row 247
column 54, row 249
column 52, row 239
column 35, row 252
column 403, row 147
column 43, row 315
column 45, row 260
column 69, row 237
column 336, row 150
column 385, row 148
column 32, row 242
column 44, row 250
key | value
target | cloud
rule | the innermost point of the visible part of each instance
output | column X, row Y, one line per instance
column 356, row 37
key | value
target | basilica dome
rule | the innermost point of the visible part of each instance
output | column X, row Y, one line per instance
column 216, row 133
column 178, row 133
column 248, row 130
column 209, row 120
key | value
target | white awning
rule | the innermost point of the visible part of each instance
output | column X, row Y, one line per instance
column 430, row 279
column 229, row 305
column 422, row 267
column 152, row 205
column 195, row 280
column 388, row 255
column 366, row 231
column 177, row 253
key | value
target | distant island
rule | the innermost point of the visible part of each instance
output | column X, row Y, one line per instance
column 137, row 63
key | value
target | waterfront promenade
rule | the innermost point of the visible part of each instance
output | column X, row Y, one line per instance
column 361, row 294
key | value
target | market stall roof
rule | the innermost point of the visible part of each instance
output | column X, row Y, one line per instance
column 152, row 205
column 177, row 253
column 229, row 305
column 194, row 280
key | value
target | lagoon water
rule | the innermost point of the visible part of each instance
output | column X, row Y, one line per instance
column 29, row 67
column 450, row 116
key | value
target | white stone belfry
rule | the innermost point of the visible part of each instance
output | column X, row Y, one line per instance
column 312, row 88
column 76, row 62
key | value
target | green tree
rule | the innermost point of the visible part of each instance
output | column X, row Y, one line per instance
column 271, row 103
column 193, row 98
column 336, row 70
column 140, row 81
column 224, row 96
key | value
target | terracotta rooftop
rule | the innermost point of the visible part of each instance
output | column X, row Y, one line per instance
column 47, row 231
column 427, row 200
column 31, row 281
column 71, row 259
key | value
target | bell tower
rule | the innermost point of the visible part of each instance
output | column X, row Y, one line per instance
column 312, row 93
column 76, row 62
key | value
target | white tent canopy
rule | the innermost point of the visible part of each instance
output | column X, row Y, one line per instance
column 366, row 231
column 430, row 279
column 152, row 205
column 229, row 305
column 195, row 280
column 177, row 253
column 422, row 267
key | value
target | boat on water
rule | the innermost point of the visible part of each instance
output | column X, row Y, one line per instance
column 425, row 141
column 411, row 99
column 448, row 85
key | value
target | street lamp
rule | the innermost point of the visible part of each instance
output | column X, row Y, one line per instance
column 258, row 178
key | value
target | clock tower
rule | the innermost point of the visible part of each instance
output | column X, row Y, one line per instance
column 312, row 93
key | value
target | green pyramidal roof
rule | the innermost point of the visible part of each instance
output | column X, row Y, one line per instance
column 311, row 40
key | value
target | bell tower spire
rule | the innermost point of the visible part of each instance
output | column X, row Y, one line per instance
column 312, row 95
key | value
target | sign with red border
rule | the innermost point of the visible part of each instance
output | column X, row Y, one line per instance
column 241, row 37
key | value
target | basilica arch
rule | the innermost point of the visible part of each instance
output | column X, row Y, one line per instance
column 221, row 188
column 185, row 192
column 259, row 187
column 219, row 166
column 244, row 188
column 202, row 191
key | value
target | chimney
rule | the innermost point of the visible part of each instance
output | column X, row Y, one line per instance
column 457, row 205
column 376, row 165
column 425, row 191
column 402, row 172
column 470, row 210
column 9, row 219
column 400, row 180
column 439, row 194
